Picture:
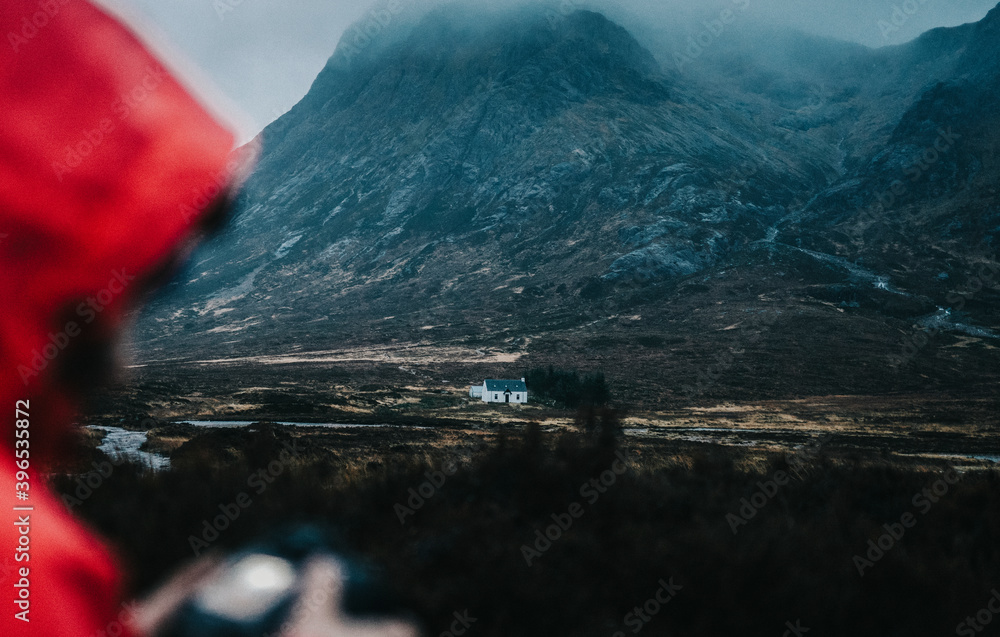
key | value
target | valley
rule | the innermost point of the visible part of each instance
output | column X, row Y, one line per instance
column 779, row 258
column 375, row 404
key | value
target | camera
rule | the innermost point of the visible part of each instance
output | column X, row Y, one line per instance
column 257, row 589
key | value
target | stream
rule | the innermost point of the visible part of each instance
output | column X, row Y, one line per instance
column 123, row 445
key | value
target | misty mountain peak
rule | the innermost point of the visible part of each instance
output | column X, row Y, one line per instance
column 459, row 69
column 462, row 40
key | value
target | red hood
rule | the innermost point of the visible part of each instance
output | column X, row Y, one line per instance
column 106, row 165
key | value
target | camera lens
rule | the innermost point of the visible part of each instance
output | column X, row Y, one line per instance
column 249, row 589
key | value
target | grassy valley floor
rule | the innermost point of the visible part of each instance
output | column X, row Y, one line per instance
column 762, row 512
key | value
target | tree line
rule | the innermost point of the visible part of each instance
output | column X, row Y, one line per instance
column 568, row 387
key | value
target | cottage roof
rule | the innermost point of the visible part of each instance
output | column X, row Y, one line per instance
column 504, row 385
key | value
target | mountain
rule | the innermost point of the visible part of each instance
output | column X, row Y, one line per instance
column 924, row 203
column 558, row 192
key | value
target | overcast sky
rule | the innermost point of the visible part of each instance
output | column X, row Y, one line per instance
column 264, row 54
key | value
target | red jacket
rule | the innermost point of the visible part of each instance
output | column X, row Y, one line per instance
column 106, row 164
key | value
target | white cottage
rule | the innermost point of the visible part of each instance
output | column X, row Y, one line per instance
column 501, row 391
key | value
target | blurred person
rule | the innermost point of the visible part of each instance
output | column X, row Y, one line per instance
column 110, row 173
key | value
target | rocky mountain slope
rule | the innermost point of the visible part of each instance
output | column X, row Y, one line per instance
column 564, row 193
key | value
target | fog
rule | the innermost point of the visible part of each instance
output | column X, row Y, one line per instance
column 264, row 54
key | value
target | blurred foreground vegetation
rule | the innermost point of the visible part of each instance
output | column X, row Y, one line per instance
column 664, row 516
